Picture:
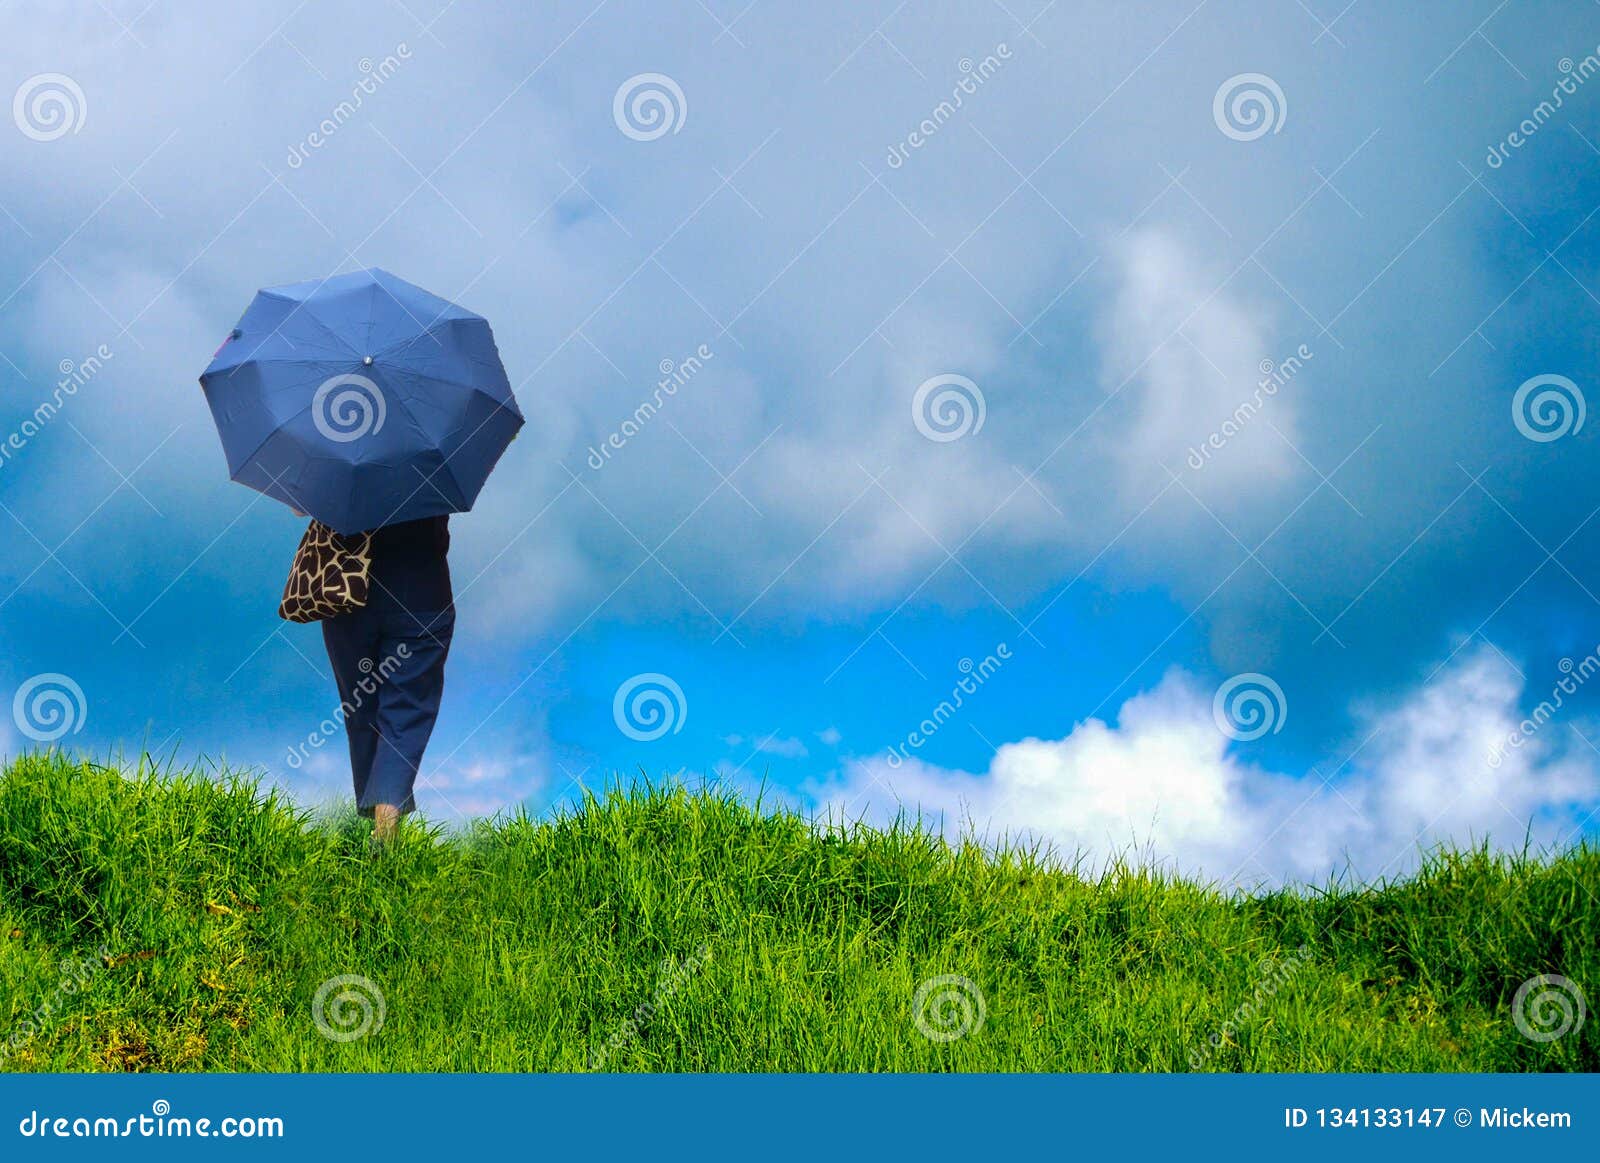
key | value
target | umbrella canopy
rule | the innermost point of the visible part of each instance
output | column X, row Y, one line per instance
column 362, row 400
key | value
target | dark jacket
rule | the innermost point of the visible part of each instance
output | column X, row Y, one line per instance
column 409, row 565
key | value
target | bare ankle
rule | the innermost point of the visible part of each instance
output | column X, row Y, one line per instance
column 385, row 822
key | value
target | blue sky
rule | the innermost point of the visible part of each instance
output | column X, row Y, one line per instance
column 1097, row 243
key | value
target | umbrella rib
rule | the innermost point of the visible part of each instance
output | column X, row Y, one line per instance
column 514, row 408
column 425, row 332
column 499, row 407
column 343, row 340
column 276, row 428
column 299, row 306
column 423, row 328
column 372, row 311
column 444, row 463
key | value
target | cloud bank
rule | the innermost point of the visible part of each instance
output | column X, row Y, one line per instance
column 1163, row 784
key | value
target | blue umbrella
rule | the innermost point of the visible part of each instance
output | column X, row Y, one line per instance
column 361, row 400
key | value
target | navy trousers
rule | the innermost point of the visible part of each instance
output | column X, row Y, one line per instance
column 389, row 665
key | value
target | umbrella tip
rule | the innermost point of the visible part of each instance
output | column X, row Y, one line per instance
column 367, row 359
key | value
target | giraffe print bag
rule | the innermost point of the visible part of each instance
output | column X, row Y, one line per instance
column 329, row 575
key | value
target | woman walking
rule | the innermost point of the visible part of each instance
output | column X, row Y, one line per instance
column 377, row 408
column 388, row 660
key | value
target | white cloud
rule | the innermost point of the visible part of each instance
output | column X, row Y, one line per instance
column 1165, row 784
column 788, row 748
column 1189, row 350
column 467, row 788
column 785, row 747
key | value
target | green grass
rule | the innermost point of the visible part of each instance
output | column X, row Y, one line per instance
column 195, row 919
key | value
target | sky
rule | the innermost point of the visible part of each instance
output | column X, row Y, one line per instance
column 1152, row 432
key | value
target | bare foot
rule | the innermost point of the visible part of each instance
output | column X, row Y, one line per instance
column 385, row 823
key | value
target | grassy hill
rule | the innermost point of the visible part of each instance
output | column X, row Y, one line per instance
column 166, row 922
